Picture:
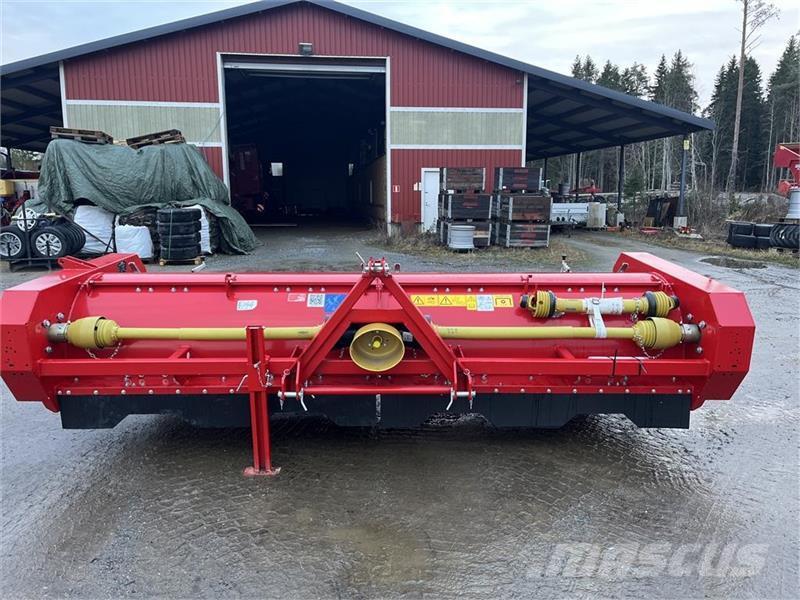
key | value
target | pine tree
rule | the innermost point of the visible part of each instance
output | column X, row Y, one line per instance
column 610, row 77
column 634, row 80
column 782, row 108
column 577, row 67
column 589, row 70
column 755, row 13
column 722, row 110
column 751, row 138
column 658, row 91
column 752, row 142
column 715, row 146
column 680, row 84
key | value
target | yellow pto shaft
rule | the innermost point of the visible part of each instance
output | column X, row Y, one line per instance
column 544, row 304
column 98, row 332
column 656, row 333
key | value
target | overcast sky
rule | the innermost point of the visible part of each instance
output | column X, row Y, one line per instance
column 546, row 33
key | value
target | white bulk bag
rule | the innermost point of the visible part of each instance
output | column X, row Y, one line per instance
column 98, row 222
column 133, row 238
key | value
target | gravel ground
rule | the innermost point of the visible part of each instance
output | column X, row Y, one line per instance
column 598, row 508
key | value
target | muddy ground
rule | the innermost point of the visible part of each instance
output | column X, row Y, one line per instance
column 598, row 508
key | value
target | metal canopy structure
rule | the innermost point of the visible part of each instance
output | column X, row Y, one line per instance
column 572, row 116
column 564, row 115
column 31, row 104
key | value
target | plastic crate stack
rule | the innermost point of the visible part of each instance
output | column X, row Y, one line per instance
column 462, row 201
column 521, row 208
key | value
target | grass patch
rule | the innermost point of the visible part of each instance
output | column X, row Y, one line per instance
column 495, row 257
column 717, row 247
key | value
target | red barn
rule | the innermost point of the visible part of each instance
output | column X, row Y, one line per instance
column 318, row 108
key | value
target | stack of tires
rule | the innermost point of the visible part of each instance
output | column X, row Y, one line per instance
column 749, row 235
column 47, row 239
column 179, row 231
column 785, row 235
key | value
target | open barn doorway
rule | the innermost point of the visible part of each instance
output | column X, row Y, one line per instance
column 306, row 139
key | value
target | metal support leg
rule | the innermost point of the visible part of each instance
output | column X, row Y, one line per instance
column 577, row 175
column 620, row 177
column 259, row 410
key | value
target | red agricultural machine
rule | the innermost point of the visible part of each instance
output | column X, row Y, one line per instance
column 787, row 156
column 103, row 339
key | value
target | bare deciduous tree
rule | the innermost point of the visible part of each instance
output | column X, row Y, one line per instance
column 754, row 14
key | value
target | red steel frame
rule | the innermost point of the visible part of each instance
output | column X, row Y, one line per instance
column 787, row 156
column 116, row 286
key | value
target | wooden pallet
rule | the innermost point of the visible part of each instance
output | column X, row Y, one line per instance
column 198, row 260
column 170, row 136
column 517, row 179
column 87, row 136
column 465, row 206
column 521, row 235
column 462, row 179
column 523, row 207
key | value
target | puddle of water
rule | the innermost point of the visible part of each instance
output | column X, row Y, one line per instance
column 733, row 263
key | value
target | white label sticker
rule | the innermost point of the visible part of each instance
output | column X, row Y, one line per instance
column 316, row 300
column 485, row 302
column 246, row 304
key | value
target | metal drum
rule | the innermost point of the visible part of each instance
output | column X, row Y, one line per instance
column 794, row 203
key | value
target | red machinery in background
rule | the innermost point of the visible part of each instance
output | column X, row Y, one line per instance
column 103, row 339
column 787, row 156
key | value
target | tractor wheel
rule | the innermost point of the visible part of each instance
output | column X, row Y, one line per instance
column 186, row 253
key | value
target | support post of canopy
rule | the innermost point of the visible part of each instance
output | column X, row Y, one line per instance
column 620, row 177
column 680, row 215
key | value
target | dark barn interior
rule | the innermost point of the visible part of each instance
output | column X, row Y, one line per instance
column 306, row 145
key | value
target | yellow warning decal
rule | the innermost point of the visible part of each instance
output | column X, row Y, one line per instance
column 425, row 300
column 468, row 301
column 457, row 300
column 504, row 301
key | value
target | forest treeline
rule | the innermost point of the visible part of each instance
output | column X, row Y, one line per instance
column 770, row 114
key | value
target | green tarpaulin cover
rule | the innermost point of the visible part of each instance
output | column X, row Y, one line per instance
column 122, row 180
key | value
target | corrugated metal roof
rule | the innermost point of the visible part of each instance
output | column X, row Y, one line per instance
column 564, row 114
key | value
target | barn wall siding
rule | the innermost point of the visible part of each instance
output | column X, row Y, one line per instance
column 456, row 128
column 213, row 157
column 182, row 67
column 407, row 168
column 198, row 124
